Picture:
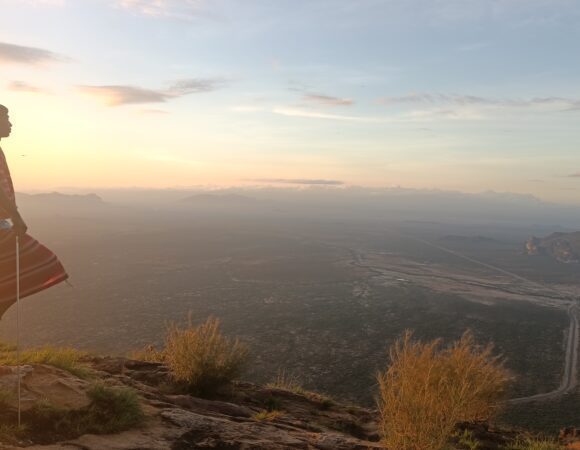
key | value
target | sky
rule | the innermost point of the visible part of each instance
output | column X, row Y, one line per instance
column 466, row 95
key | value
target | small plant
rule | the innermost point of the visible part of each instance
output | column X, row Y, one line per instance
column 326, row 402
column 271, row 403
column 267, row 416
column 287, row 382
column 148, row 353
column 533, row 444
column 202, row 358
column 112, row 410
column 466, row 440
column 291, row 383
column 429, row 389
column 6, row 348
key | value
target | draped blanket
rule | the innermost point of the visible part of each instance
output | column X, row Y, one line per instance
column 39, row 267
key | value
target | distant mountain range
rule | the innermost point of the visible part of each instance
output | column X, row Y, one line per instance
column 564, row 247
column 64, row 199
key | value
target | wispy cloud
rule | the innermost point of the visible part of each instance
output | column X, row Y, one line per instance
column 301, row 181
column 124, row 95
column 473, row 100
column 574, row 175
column 21, row 86
column 195, row 86
column 116, row 95
column 326, row 100
column 179, row 9
column 298, row 112
column 19, row 54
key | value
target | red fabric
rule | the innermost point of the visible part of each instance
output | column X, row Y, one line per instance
column 39, row 267
column 5, row 184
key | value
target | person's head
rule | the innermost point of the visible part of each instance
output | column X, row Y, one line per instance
column 5, row 125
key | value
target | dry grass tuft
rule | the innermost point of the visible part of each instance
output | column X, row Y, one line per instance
column 428, row 389
column 267, row 416
column 287, row 382
column 148, row 353
column 67, row 359
column 202, row 358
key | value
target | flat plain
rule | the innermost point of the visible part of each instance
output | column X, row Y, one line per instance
column 320, row 299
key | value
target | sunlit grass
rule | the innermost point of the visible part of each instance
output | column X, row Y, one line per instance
column 291, row 383
column 286, row 381
column 267, row 416
column 148, row 353
column 68, row 359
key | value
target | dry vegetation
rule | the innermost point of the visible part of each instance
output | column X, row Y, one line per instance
column 429, row 389
column 534, row 444
column 267, row 416
column 67, row 359
column 200, row 357
column 287, row 381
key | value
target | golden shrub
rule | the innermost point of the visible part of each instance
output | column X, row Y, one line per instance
column 428, row 389
column 202, row 358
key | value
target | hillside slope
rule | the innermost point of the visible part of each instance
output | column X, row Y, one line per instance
column 243, row 416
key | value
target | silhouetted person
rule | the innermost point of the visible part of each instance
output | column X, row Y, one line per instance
column 39, row 267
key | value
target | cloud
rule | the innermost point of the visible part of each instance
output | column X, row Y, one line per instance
column 297, row 112
column 21, row 86
column 327, row 100
column 116, row 95
column 177, row 9
column 473, row 100
column 124, row 95
column 18, row 54
column 574, row 175
column 195, row 86
column 302, row 181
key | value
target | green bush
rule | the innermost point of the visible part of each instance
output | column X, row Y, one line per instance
column 112, row 410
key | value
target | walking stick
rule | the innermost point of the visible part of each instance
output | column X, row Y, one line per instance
column 18, row 324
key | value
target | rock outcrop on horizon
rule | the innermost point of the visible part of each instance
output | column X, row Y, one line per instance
column 563, row 247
